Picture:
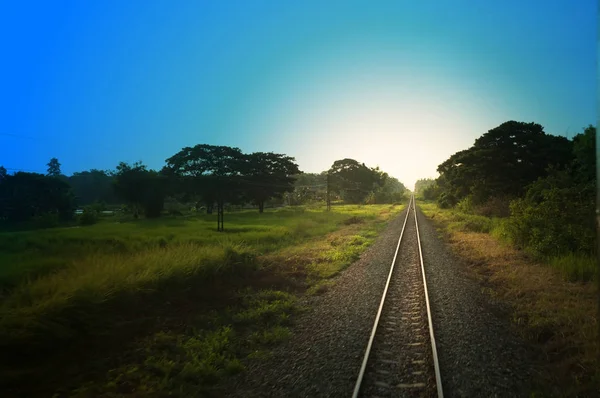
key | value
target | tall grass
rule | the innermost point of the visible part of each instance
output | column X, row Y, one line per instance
column 64, row 304
column 29, row 254
column 576, row 267
column 573, row 266
column 69, row 276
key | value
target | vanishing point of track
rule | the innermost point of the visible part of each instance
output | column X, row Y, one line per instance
column 401, row 357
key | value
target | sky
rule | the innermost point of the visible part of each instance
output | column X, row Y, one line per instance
column 397, row 84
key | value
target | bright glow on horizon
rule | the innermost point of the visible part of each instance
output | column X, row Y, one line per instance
column 401, row 119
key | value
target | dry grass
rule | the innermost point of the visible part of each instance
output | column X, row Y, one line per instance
column 559, row 317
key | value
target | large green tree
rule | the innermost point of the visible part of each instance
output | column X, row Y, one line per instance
column 53, row 168
column 503, row 161
column 422, row 184
column 93, row 186
column 267, row 175
column 353, row 180
column 207, row 173
column 141, row 188
column 24, row 196
column 390, row 191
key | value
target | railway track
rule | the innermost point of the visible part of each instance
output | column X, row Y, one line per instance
column 401, row 357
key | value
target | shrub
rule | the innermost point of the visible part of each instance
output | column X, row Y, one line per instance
column 465, row 205
column 89, row 217
column 555, row 220
column 494, row 207
column 446, row 200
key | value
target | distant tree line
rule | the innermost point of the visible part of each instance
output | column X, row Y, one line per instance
column 423, row 184
column 206, row 176
column 347, row 181
column 545, row 185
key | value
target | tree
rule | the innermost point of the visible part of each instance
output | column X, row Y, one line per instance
column 141, row 188
column 267, row 175
column 206, row 173
column 93, row 186
column 423, row 184
column 391, row 191
column 353, row 180
column 584, row 151
column 53, row 168
column 24, row 196
column 503, row 161
column 3, row 173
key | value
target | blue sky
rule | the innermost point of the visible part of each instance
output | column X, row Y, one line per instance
column 398, row 84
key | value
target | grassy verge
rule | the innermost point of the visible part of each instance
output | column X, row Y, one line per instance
column 158, row 307
column 558, row 316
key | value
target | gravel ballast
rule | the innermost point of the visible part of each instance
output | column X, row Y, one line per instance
column 478, row 354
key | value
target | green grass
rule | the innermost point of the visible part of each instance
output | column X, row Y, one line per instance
column 459, row 221
column 66, row 286
column 575, row 267
column 29, row 254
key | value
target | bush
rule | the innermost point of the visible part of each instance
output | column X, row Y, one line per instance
column 89, row 217
column 465, row 205
column 446, row 200
column 494, row 207
column 555, row 220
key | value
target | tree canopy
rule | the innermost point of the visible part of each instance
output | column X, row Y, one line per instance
column 93, row 186
column 218, row 173
column 503, row 161
column 141, row 188
column 353, row 180
column 25, row 196
column 53, row 168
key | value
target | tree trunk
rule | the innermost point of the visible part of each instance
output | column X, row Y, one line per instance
column 261, row 207
column 209, row 208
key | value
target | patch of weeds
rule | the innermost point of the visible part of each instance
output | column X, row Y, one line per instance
column 357, row 240
column 319, row 288
column 180, row 364
column 270, row 336
column 267, row 310
column 353, row 220
column 191, row 364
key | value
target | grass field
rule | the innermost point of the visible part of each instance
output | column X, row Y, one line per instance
column 553, row 300
column 182, row 304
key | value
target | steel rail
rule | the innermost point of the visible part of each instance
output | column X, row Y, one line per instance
column 436, row 365
column 363, row 367
column 370, row 344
